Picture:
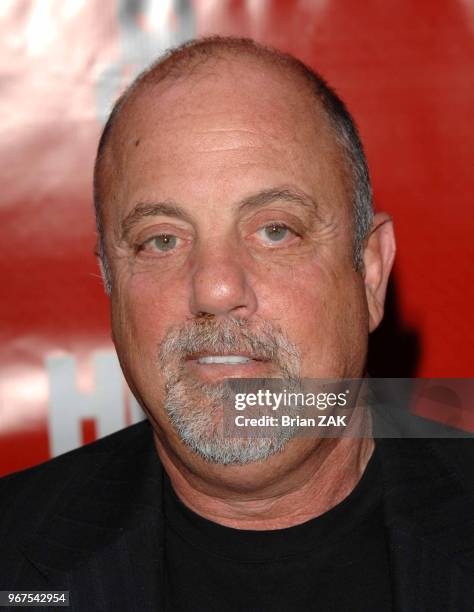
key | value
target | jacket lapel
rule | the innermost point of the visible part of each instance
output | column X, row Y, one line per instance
column 105, row 544
column 430, row 524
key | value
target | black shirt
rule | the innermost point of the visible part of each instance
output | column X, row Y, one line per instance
column 336, row 561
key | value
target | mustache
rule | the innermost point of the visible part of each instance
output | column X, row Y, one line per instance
column 262, row 340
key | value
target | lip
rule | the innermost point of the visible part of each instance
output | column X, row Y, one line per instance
column 213, row 372
column 201, row 354
column 223, row 360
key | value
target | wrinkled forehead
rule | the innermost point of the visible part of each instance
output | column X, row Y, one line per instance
column 224, row 103
column 223, row 92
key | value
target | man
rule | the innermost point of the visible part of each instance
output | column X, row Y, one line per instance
column 237, row 240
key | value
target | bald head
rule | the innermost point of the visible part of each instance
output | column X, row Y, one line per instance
column 215, row 56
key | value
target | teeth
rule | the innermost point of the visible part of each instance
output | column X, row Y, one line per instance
column 223, row 359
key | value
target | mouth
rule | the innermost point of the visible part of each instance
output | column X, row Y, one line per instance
column 218, row 365
column 223, row 359
column 208, row 358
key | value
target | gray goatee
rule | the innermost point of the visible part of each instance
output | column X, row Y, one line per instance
column 195, row 408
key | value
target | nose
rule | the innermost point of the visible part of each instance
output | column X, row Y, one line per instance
column 220, row 285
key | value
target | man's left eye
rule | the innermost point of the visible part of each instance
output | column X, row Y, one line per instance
column 274, row 232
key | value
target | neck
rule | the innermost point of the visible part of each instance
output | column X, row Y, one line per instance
column 275, row 494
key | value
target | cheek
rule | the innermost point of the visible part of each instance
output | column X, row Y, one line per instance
column 324, row 313
column 144, row 307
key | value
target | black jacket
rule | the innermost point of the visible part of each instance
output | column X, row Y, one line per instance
column 89, row 522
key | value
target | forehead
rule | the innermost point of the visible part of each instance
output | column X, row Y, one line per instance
column 227, row 85
column 227, row 114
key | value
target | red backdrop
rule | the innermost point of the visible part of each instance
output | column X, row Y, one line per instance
column 406, row 71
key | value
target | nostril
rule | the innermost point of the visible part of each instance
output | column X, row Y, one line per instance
column 205, row 315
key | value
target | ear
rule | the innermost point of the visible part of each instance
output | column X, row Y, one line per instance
column 379, row 254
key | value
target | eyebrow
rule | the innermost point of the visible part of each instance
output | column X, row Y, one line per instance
column 167, row 208
column 288, row 194
column 170, row 208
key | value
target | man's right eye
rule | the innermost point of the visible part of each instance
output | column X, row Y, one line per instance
column 161, row 242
